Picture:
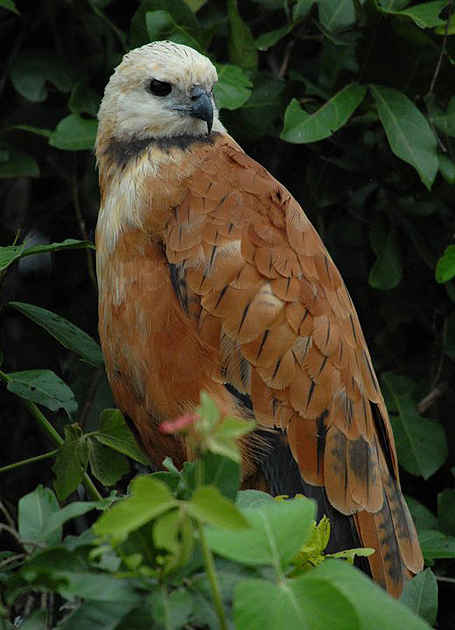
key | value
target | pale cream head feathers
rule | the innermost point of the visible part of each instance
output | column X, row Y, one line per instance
column 130, row 110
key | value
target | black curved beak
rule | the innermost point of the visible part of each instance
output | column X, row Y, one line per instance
column 201, row 107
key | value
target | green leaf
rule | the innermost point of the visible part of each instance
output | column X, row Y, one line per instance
column 74, row 133
column 115, row 433
column 265, row 105
column 208, row 505
column 425, row 15
column 301, row 127
column 222, row 473
column 435, row 544
column 171, row 610
column 421, row 596
column 95, row 615
column 269, row 39
column 423, row 518
column 92, row 586
column 369, row 600
column 242, row 51
column 71, row 462
column 149, row 498
column 298, row 603
column 408, row 132
column 83, row 100
column 336, row 15
column 19, row 164
column 160, row 26
column 251, row 498
column 38, row 131
column 179, row 10
column 10, row 253
column 10, row 6
column 34, row 510
column 32, row 69
column 233, row 87
column 68, row 334
column 421, row 442
column 447, row 168
column 278, row 530
column 444, row 121
column 224, row 439
column 445, row 269
column 107, row 465
column 446, row 511
column 44, row 388
column 386, row 271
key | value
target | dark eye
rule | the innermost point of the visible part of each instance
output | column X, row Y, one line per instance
column 159, row 88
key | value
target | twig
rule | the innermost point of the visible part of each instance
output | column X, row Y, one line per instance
column 432, row 397
column 13, row 558
column 443, row 50
column 8, row 516
column 435, row 76
column 83, row 229
column 49, row 429
column 286, row 57
column 441, row 578
column 30, row 460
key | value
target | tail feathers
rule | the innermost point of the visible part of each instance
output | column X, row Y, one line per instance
column 392, row 534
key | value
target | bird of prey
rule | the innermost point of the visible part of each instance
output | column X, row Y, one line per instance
column 211, row 277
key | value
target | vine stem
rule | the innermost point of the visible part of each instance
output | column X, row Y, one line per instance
column 30, row 460
column 213, row 578
column 55, row 435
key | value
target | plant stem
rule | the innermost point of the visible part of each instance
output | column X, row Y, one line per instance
column 30, row 460
column 213, row 578
column 55, row 435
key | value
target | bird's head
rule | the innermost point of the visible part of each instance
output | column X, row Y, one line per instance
column 160, row 90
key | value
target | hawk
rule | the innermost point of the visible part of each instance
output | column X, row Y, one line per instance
column 211, row 277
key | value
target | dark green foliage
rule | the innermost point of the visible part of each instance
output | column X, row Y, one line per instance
column 351, row 104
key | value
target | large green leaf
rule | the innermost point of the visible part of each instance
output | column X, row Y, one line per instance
column 32, row 69
column 446, row 511
column 10, row 253
column 19, row 164
column 68, row 334
column 178, row 9
column 408, row 132
column 97, row 615
column 278, row 530
column 208, row 505
column 149, row 498
column 242, row 50
column 233, row 87
column 71, row 462
column 107, row 465
column 44, row 388
column 301, row 127
column 114, row 432
column 425, row 15
column 421, row 442
column 369, row 600
column 74, row 133
column 34, row 510
column 444, row 121
column 421, row 595
column 336, row 15
column 435, row 544
column 300, row 603
column 161, row 25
